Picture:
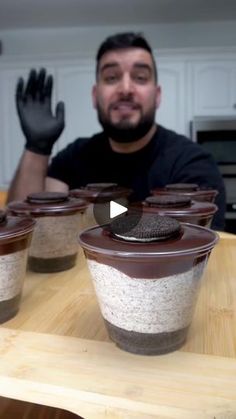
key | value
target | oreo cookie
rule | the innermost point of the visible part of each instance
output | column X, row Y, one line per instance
column 100, row 186
column 47, row 197
column 148, row 229
column 168, row 201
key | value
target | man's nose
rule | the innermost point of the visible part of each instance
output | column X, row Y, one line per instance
column 126, row 84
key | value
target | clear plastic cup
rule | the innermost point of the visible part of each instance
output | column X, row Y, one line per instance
column 180, row 207
column 147, row 292
column 54, row 245
column 188, row 189
column 15, row 236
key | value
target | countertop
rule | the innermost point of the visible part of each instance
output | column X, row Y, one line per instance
column 56, row 351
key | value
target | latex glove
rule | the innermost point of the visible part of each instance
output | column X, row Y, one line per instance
column 33, row 101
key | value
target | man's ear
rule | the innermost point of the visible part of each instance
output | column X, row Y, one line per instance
column 158, row 96
column 94, row 96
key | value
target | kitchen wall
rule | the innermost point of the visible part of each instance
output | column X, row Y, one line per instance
column 85, row 40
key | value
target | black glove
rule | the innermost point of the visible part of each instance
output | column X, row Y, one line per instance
column 40, row 127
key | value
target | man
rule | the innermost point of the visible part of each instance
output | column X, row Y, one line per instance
column 132, row 150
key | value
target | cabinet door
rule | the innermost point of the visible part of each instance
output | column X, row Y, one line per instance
column 12, row 142
column 172, row 111
column 12, row 139
column 214, row 88
column 74, row 87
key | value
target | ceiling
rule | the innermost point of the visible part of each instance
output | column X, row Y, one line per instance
column 16, row 14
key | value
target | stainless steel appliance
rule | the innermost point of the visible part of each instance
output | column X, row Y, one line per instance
column 218, row 136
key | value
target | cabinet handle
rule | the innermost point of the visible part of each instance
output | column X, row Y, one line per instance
column 234, row 105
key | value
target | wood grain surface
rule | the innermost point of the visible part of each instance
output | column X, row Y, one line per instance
column 56, row 351
column 97, row 380
column 3, row 197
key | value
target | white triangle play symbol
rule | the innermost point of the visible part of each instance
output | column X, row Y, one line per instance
column 116, row 209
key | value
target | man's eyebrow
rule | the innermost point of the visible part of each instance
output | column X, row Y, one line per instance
column 143, row 66
column 114, row 64
column 109, row 65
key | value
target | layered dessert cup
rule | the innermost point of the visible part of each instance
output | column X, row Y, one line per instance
column 54, row 245
column 191, row 190
column 98, row 195
column 15, row 236
column 180, row 207
column 147, row 279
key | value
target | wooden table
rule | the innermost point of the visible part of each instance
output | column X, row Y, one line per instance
column 56, row 351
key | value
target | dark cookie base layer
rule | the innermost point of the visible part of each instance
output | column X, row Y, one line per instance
column 147, row 343
column 49, row 265
column 9, row 308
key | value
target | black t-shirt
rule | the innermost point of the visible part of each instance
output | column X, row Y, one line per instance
column 168, row 158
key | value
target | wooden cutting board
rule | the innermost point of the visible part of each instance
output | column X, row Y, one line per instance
column 97, row 380
column 56, row 352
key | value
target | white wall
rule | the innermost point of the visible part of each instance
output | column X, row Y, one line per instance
column 85, row 40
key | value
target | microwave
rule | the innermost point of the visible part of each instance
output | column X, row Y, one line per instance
column 217, row 135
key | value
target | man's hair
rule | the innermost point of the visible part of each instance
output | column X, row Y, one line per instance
column 123, row 41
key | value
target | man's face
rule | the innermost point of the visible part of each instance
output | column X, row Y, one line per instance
column 126, row 95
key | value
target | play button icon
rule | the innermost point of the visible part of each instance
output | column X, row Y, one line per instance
column 105, row 211
column 117, row 209
column 112, row 203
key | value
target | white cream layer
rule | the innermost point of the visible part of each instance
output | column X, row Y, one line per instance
column 146, row 305
column 12, row 274
column 55, row 236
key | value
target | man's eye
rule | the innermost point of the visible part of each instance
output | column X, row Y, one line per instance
column 141, row 78
column 111, row 78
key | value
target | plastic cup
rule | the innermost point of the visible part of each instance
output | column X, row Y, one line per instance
column 15, row 236
column 182, row 208
column 192, row 190
column 54, row 245
column 147, row 292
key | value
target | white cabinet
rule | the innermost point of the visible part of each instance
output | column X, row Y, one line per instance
column 214, row 87
column 172, row 111
column 74, row 86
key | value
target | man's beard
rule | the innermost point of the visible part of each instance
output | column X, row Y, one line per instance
column 125, row 131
